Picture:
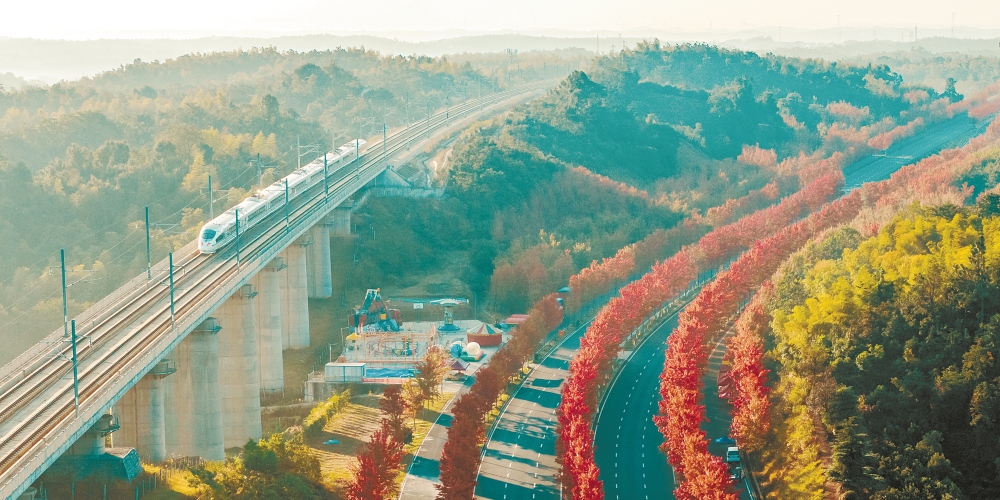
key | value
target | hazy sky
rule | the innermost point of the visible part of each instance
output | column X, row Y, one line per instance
column 76, row 19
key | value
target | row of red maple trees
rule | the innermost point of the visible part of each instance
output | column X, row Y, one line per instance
column 461, row 455
column 623, row 314
column 705, row 476
column 600, row 277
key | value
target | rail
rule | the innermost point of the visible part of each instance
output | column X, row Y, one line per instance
column 131, row 329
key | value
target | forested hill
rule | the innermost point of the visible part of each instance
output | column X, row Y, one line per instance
column 689, row 126
column 79, row 160
column 892, row 341
column 296, row 94
column 697, row 66
column 626, row 116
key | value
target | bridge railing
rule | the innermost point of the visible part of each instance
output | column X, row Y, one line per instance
column 47, row 450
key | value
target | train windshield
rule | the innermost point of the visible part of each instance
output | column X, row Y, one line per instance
column 208, row 234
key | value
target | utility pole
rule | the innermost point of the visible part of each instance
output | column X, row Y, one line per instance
column 211, row 200
column 171, row 262
column 76, row 377
column 149, row 254
column 260, row 172
column 62, row 266
column 237, row 238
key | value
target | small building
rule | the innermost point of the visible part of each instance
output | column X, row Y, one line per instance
column 342, row 373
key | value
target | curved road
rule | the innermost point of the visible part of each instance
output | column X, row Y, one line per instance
column 933, row 139
column 519, row 459
column 626, row 440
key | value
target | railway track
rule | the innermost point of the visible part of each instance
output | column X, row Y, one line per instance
column 36, row 395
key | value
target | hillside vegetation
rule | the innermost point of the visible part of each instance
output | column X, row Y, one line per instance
column 79, row 160
column 891, row 340
column 676, row 128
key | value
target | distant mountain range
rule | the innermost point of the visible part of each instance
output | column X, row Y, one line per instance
column 40, row 61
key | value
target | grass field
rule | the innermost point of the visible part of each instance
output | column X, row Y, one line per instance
column 354, row 426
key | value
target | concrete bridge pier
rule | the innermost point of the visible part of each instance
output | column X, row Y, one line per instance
column 206, row 428
column 239, row 380
column 293, row 283
column 271, row 339
column 141, row 415
column 339, row 220
column 178, row 398
column 320, row 263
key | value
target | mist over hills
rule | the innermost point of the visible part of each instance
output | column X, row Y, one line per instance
column 45, row 61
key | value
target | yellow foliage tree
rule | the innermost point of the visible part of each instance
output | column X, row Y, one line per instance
column 197, row 176
column 264, row 145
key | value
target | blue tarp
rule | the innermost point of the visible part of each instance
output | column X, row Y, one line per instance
column 389, row 373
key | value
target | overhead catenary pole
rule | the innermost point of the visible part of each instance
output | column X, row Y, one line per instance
column 287, row 226
column 298, row 151
column 149, row 253
column 211, row 200
column 170, row 260
column 260, row 172
column 326, row 182
column 237, row 238
column 76, row 377
column 62, row 267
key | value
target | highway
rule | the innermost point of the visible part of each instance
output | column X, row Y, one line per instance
column 626, row 440
column 950, row 133
column 124, row 335
column 519, row 459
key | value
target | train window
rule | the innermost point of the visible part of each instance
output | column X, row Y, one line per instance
column 208, row 234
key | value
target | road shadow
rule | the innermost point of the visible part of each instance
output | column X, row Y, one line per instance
column 425, row 468
column 536, row 435
column 546, row 382
column 556, row 363
column 543, row 398
column 494, row 488
column 444, row 420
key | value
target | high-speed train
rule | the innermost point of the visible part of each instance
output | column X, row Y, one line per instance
column 221, row 230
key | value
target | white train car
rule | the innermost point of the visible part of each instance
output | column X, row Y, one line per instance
column 221, row 231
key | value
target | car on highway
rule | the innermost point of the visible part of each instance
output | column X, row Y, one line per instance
column 736, row 473
column 733, row 455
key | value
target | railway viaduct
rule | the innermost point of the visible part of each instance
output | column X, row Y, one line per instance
column 181, row 356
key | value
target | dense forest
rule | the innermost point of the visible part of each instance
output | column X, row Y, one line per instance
column 668, row 121
column 633, row 144
column 891, row 341
column 79, row 160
